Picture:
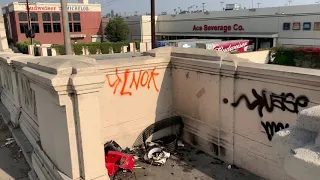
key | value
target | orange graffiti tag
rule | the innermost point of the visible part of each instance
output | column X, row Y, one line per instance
column 133, row 80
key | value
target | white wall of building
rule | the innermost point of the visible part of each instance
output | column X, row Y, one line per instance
column 139, row 28
column 261, row 22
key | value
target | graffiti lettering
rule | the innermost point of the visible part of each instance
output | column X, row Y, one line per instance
column 138, row 79
column 284, row 102
column 272, row 128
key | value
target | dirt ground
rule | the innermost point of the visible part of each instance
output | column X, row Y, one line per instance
column 187, row 164
column 12, row 162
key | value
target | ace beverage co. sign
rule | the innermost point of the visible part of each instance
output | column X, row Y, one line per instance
column 235, row 27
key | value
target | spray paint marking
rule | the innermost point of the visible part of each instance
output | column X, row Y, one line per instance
column 126, row 83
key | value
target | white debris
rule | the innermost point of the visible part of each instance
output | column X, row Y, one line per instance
column 180, row 143
column 9, row 142
column 9, row 139
column 156, row 156
column 229, row 167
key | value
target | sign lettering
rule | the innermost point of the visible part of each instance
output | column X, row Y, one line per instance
column 57, row 8
column 235, row 27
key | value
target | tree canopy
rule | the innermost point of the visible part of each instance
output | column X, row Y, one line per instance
column 117, row 30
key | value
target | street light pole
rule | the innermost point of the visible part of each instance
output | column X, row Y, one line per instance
column 66, row 30
column 203, row 6
column 153, row 25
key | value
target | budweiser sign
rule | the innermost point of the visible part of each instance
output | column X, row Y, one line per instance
column 230, row 46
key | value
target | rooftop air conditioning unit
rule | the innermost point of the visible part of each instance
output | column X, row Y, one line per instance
column 231, row 7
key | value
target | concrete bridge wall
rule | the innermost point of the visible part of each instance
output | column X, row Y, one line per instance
column 67, row 107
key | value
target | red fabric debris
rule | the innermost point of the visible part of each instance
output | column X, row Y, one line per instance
column 115, row 160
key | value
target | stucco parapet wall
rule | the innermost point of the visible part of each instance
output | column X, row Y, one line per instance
column 134, row 63
column 285, row 74
column 65, row 74
column 200, row 60
column 16, row 59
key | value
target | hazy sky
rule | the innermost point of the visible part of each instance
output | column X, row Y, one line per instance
column 143, row 6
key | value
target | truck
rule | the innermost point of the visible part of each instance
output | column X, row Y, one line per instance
column 229, row 46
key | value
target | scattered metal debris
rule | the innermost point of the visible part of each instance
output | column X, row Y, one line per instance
column 112, row 146
column 10, row 141
column 156, row 156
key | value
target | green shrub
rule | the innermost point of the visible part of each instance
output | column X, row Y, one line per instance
column 283, row 56
column 93, row 48
column 23, row 46
column 117, row 47
column 61, row 50
column 77, row 48
column 104, row 47
column 137, row 45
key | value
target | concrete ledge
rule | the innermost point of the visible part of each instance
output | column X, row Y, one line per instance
column 303, row 163
column 309, row 119
column 291, row 138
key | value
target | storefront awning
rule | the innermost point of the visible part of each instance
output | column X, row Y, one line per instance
column 242, row 35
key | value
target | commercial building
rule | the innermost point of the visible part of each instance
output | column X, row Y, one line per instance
column 267, row 27
column 46, row 21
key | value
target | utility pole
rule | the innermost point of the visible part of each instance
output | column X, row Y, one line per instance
column 153, row 25
column 203, row 6
column 66, row 30
column 258, row 4
column 252, row 5
column 290, row 2
column 29, row 21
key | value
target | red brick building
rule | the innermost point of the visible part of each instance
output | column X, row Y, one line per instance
column 46, row 21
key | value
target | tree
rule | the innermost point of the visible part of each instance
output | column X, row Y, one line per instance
column 112, row 13
column 117, row 30
column 108, row 15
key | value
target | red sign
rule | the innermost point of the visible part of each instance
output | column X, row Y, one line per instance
column 225, row 29
column 230, row 46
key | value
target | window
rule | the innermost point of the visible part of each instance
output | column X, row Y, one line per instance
column 76, row 16
column 56, row 27
column 70, row 16
column 55, row 17
column 76, row 27
column 286, row 26
column 70, row 27
column 296, row 26
column 35, row 27
column 23, row 16
column 46, row 17
column 307, row 26
column 47, row 27
column 34, row 16
column 23, row 27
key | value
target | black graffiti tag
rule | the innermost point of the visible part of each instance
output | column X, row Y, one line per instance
column 272, row 128
column 284, row 102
